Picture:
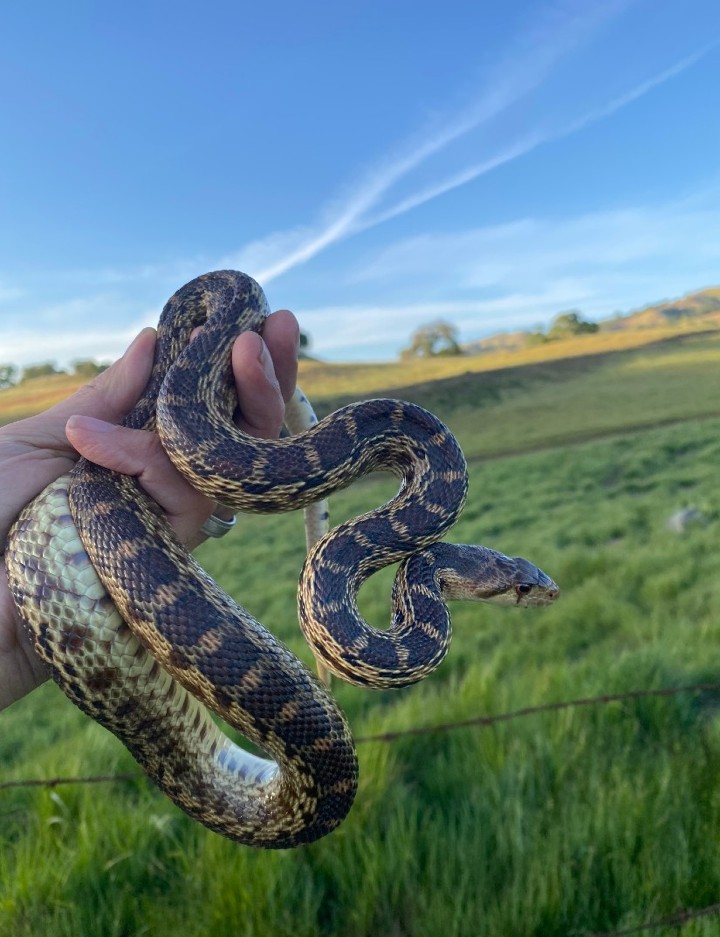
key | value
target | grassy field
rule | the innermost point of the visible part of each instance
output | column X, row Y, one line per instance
column 562, row 823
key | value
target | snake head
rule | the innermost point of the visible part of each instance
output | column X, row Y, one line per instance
column 530, row 585
column 477, row 573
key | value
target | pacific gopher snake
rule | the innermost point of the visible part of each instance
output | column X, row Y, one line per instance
column 200, row 643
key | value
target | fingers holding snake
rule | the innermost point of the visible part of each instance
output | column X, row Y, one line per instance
column 179, row 631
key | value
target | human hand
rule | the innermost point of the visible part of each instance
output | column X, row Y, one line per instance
column 36, row 451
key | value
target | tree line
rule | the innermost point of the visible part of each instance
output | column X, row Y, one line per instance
column 85, row 368
column 11, row 374
column 441, row 337
column 564, row 325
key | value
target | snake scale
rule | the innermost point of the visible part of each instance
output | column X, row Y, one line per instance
column 141, row 639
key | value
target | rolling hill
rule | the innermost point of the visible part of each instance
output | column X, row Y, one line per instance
column 697, row 310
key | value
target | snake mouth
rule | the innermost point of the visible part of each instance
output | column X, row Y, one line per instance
column 533, row 587
column 523, row 595
column 529, row 595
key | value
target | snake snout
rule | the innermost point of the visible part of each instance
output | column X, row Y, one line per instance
column 532, row 585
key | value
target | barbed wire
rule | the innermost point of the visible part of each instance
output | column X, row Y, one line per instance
column 391, row 736
column 677, row 919
column 535, row 710
column 57, row 782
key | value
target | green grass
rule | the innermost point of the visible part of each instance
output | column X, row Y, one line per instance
column 560, row 823
column 565, row 400
column 28, row 398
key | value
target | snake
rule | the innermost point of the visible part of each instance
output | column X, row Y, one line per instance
column 138, row 635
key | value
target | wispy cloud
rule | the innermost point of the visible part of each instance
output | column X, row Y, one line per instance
column 535, row 139
column 560, row 29
column 514, row 275
column 523, row 68
column 27, row 347
column 70, row 329
column 641, row 89
column 582, row 261
column 359, row 326
column 538, row 51
column 529, row 270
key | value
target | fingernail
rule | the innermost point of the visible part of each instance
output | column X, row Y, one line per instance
column 135, row 340
column 80, row 421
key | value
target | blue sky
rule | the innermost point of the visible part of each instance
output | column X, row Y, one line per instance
column 376, row 165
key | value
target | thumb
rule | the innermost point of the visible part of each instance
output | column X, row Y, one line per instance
column 129, row 451
column 139, row 453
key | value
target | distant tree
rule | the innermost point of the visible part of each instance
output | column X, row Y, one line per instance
column 537, row 337
column 87, row 368
column 566, row 324
column 39, row 370
column 304, row 344
column 8, row 375
column 435, row 338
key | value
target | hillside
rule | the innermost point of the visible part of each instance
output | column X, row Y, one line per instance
column 331, row 385
column 701, row 307
column 696, row 310
column 669, row 320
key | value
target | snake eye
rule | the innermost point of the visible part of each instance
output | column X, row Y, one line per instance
column 523, row 588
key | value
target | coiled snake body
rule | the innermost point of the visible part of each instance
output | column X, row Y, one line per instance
column 138, row 648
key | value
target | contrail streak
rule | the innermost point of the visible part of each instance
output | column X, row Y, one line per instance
column 539, row 50
column 533, row 141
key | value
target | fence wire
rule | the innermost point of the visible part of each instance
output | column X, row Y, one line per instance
column 482, row 721
column 677, row 919
column 392, row 736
